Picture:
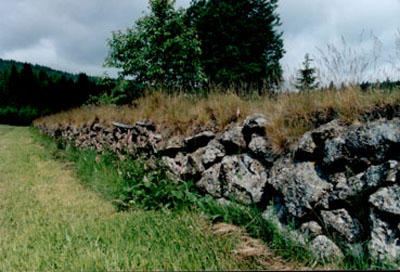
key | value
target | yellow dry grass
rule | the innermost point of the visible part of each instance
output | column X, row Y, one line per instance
column 290, row 114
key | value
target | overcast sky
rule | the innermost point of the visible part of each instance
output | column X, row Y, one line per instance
column 71, row 35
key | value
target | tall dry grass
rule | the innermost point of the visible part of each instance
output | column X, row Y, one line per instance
column 290, row 114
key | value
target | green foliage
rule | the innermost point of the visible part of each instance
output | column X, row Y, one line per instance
column 239, row 40
column 49, row 221
column 119, row 92
column 28, row 92
column 159, row 49
column 153, row 189
column 307, row 79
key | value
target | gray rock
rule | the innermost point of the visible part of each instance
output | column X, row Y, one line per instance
column 209, row 182
column 305, row 147
column 334, row 152
column 174, row 169
column 384, row 244
column 254, row 124
column 260, row 148
column 311, row 229
column 233, row 140
column 147, row 125
column 200, row 140
column 387, row 199
column 312, row 141
column 325, row 249
column 273, row 217
column 121, row 125
column 363, row 183
column 191, row 166
column 341, row 222
column 367, row 144
column 214, row 152
column 243, row 177
column 171, row 147
column 299, row 183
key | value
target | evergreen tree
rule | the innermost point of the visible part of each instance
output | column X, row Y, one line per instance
column 159, row 50
column 239, row 40
column 307, row 79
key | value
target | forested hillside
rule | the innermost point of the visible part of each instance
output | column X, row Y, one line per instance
column 30, row 91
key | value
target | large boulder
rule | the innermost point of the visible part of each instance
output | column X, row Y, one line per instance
column 341, row 222
column 387, row 199
column 254, row 124
column 312, row 142
column 300, row 185
column 325, row 249
column 213, row 153
column 243, row 177
column 233, row 140
column 363, row 145
column 311, row 229
column 261, row 149
column 385, row 239
column 209, row 181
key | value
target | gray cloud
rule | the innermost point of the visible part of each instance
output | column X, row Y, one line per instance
column 308, row 24
column 71, row 35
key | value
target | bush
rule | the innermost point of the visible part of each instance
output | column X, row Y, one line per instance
column 18, row 116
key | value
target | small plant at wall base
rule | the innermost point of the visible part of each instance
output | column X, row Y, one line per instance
column 307, row 81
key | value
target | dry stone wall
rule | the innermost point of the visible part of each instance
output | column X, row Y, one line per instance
column 340, row 181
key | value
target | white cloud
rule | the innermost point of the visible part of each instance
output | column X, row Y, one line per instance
column 71, row 35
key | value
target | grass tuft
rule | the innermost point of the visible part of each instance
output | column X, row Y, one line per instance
column 290, row 114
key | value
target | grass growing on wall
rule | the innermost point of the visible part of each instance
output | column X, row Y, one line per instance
column 290, row 114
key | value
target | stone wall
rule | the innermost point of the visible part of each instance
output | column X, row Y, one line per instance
column 340, row 181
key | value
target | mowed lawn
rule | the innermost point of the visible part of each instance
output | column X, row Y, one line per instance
column 50, row 221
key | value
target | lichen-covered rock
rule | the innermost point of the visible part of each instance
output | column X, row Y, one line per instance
column 385, row 240
column 233, row 140
column 363, row 183
column 209, row 182
column 299, row 183
column 313, row 141
column 199, row 140
column 192, row 165
column 243, row 177
column 254, row 124
column 173, row 168
column 171, row 147
column 387, row 199
column 214, row 152
column 311, row 229
column 363, row 145
column 325, row 249
column 261, row 149
column 341, row 222
column 273, row 216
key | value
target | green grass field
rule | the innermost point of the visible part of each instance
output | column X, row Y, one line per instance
column 50, row 221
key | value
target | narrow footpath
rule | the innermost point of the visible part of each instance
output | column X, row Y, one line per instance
column 50, row 221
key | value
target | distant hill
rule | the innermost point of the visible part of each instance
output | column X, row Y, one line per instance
column 5, row 65
column 29, row 91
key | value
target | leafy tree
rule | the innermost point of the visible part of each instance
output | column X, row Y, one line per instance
column 159, row 50
column 307, row 79
column 239, row 40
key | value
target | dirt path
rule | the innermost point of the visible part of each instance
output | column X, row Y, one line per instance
column 49, row 221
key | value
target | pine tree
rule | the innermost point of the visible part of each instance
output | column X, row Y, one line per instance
column 307, row 79
column 240, row 41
